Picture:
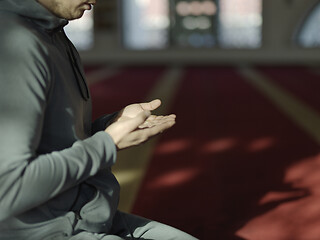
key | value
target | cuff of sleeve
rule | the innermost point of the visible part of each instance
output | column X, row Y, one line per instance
column 101, row 123
column 106, row 147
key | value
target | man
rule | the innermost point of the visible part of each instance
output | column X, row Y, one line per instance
column 55, row 178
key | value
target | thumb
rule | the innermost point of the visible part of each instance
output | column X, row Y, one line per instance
column 151, row 105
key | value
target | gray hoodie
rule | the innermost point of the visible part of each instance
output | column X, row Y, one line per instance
column 55, row 177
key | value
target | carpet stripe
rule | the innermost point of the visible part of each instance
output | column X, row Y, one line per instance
column 302, row 82
column 132, row 163
column 303, row 115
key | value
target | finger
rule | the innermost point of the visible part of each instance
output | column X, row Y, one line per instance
column 160, row 128
column 151, row 122
column 159, row 121
column 151, row 105
column 142, row 135
column 172, row 115
column 157, row 128
column 165, row 117
column 154, row 117
column 151, row 118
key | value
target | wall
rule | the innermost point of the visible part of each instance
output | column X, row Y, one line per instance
column 281, row 18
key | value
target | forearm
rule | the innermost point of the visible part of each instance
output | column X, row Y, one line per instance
column 29, row 182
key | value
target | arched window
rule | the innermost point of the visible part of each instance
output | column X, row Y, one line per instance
column 192, row 23
column 145, row 24
column 308, row 34
column 240, row 23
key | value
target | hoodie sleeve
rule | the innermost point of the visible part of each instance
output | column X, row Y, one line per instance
column 26, row 178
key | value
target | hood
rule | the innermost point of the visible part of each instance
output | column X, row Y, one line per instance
column 34, row 11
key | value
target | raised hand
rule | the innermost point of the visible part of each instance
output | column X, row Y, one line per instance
column 135, row 124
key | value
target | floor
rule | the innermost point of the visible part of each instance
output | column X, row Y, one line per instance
column 242, row 161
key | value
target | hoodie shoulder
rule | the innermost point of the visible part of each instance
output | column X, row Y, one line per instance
column 33, row 10
column 23, row 52
column 10, row 22
column 19, row 34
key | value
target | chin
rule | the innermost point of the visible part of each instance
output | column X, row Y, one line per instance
column 75, row 15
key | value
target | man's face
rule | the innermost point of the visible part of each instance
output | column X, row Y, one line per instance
column 67, row 9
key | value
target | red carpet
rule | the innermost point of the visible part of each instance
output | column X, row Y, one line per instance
column 234, row 167
column 300, row 81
